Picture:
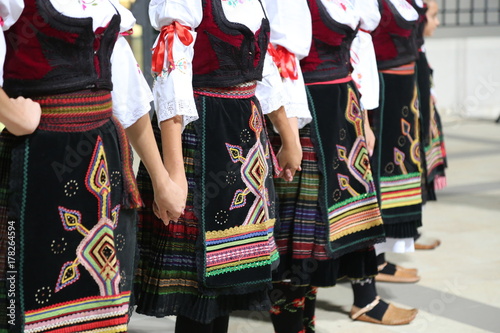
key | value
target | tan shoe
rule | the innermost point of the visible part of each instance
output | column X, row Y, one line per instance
column 407, row 271
column 393, row 315
column 427, row 244
column 400, row 276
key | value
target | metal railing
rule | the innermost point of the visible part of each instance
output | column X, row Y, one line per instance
column 469, row 13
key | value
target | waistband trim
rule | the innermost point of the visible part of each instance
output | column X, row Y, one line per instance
column 240, row 91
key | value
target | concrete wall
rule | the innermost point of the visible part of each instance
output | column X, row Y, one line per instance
column 466, row 64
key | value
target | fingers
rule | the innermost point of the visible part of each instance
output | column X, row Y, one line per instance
column 288, row 173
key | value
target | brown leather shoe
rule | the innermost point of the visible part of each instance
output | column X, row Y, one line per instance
column 400, row 276
column 427, row 244
column 393, row 315
column 407, row 271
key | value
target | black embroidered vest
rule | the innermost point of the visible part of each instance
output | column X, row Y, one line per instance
column 329, row 57
column 49, row 53
column 394, row 39
column 227, row 53
column 422, row 20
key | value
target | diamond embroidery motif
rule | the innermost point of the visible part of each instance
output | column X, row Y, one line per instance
column 254, row 170
column 97, row 251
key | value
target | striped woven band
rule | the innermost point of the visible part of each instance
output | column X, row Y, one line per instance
column 78, row 111
column 407, row 69
column 243, row 90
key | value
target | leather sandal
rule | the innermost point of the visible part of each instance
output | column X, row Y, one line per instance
column 430, row 244
column 393, row 315
column 401, row 275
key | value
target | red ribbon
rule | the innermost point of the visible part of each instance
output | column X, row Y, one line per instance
column 167, row 35
column 1, row 21
column 129, row 32
column 285, row 60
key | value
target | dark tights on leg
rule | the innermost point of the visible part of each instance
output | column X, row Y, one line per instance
column 293, row 308
column 309, row 317
column 186, row 325
column 365, row 293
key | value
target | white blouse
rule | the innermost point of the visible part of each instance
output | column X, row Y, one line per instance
column 173, row 91
column 342, row 11
column 131, row 93
column 10, row 10
column 363, row 59
column 291, row 28
column 405, row 10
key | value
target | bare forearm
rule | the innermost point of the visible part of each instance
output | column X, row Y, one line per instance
column 142, row 139
column 284, row 125
column 171, row 137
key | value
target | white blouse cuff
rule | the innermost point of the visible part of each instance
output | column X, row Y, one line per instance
column 131, row 93
column 270, row 90
column 297, row 105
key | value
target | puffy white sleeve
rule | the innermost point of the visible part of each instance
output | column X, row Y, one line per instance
column 270, row 90
column 10, row 10
column 291, row 25
column 365, row 72
column 173, row 87
column 363, row 59
column 291, row 28
column 131, row 93
column 297, row 105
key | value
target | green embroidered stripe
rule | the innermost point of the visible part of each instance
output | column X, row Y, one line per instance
column 401, row 177
column 351, row 200
column 82, row 306
column 263, row 262
column 237, row 242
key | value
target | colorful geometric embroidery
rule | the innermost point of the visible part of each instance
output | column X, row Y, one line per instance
column 358, row 160
column 353, row 215
column 109, row 313
column 401, row 191
column 69, row 275
column 399, row 160
column 240, row 247
column 239, row 199
column 96, row 252
column 353, row 112
column 254, row 171
column 97, row 179
column 71, row 220
column 344, row 185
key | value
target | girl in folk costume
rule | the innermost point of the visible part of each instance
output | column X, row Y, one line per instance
column 397, row 158
column 218, row 257
column 432, row 134
column 68, row 193
column 329, row 215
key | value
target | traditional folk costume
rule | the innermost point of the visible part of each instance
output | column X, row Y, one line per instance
column 218, row 257
column 68, row 190
column 433, row 149
column 328, row 214
column 397, row 158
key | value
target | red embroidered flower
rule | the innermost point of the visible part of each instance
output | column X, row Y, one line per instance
column 299, row 302
column 275, row 310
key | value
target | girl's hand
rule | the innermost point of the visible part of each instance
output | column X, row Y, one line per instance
column 170, row 199
column 26, row 116
column 290, row 158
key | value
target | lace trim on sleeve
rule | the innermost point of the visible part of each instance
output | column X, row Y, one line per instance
column 185, row 108
column 300, row 111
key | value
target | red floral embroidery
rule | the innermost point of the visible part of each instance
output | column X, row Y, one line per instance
column 299, row 302
column 275, row 310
